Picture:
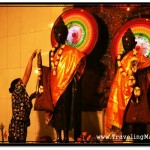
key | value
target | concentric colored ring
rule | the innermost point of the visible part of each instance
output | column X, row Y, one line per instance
column 82, row 27
column 141, row 29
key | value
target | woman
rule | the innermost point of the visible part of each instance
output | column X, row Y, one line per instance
column 21, row 106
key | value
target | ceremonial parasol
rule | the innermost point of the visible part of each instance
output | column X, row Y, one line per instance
column 141, row 29
column 82, row 28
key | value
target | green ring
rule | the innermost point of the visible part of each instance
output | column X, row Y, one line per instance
column 84, row 33
column 147, row 37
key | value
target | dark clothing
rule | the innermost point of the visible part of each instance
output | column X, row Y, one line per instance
column 136, row 131
column 137, row 115
column 21, row 108
column 61, row 116
column 139, row 112
column 67, row 113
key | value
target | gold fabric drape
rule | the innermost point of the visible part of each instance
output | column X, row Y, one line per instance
column 121, row 92
column 71, row 61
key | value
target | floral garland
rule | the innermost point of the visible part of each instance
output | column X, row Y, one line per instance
column 54, row 64
column 130, row 72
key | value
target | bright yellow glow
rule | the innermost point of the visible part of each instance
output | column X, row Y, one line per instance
column 36, row 71
column 128, row 8
column 51, row 25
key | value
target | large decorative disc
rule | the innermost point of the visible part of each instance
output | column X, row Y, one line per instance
column 141, row 29
column 82, row 27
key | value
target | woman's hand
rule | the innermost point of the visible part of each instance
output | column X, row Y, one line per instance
column 34, row 54
column 28, row 70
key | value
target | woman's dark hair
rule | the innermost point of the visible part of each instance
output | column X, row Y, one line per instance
column 12, row 85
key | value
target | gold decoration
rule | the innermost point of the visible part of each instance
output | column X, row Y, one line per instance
column 41, row 89
column 131, row 81
column 130, row 72
column 55, row 64
column 137, row 93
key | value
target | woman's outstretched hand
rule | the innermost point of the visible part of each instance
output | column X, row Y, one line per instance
column 34, row 54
